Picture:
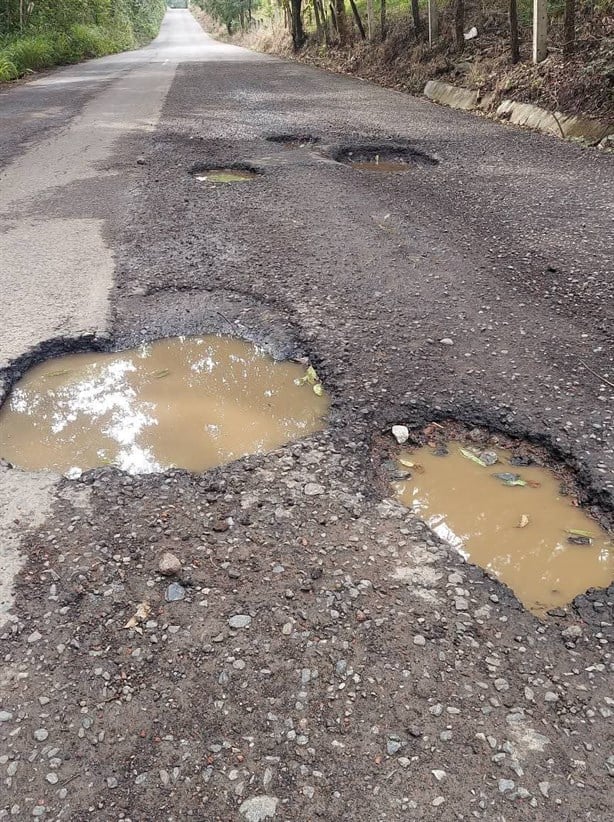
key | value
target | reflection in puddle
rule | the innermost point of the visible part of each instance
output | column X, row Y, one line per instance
column 186, row 402
column 225, row 175
column 516, row 525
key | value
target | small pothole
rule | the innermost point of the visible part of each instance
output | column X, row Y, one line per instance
column 382, row 159
column 224, row 174
column 502, row 508
column 182, row 402
column 294, row 140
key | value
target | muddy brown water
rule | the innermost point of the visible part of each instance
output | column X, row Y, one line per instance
column 521, row 534
column 193, row 402
column 225, row 175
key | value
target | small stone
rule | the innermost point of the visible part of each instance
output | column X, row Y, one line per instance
column 73, row 473
column 550, row 696
column 34, row 636
column 506, row 785
column 240, row 621
column 111, row 782
column 313, row 489
column 446, row 341
column 404, row 761
column 174, row 592
column 5, row 716
column 419, row 640
column 439, row 800
column 393, row 745
column 436, row 710
column 400, row 433
column 259, row 807
column 544, row 789
column 461, row 604
column 439, row 775
column 41, row 734
column 52, row 778
column 573, row 632
column 169, row 565
column 38, row 810
column 501, row 684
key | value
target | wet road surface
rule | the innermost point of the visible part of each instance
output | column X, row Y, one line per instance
column 329, row 657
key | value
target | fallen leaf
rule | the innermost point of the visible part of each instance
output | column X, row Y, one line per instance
column 470, row 456
column 318, row 389
column 406, row 463
column 512, row 483
column 163, row 372
column 142, row 612
column 577, row 532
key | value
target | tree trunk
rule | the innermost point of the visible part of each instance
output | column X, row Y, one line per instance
column 361, row 28
column 324, row 19
column 342, row 24
column 298, row 34
column 370, row 24
column 333, row 17
column 569, row 43
column 514, row 43
column 383, row 19
column 459, row 24
column 319, row 29
column 415, row 13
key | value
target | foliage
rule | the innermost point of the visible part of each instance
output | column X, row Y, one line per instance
column 42, row 33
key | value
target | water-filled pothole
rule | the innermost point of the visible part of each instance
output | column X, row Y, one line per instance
column 382, row 159
column 185, row 402
column 505, row 513
column 228, row 174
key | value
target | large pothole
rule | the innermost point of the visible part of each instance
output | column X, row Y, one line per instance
column 508, row 512
column 391, row 159
column 183, row 402
column 233, row 173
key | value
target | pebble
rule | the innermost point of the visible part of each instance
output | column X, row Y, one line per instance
column 400, row 433
column 51, row 778
column 439, row 775
column 506, row 785
column 312, row 489
column 501, row 684
column 544, row 789
column 41, row 734
column 439, row 800
column 240, row 621
column 174, row 592
column 393, row 745
column 573, row 632
column 35, row 636
column 169, row 565
column 550, row 696
column 5, row 716
column 259, row 807
column 419, row 640
column 446, row 341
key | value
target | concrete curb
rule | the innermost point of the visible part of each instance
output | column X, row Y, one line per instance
column 568, row 126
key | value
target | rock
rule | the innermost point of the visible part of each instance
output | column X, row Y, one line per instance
column 506, row 785
column 73, row 473
column 544, row 788
column 313, row 489
column 393, row 745
column 419, row 640
column 259, row 807
column 501, row 684
column 35, row 636
column 489, row 457
column 5, row 716
column 169, row 565
column 446, row 341
column 400, row 433
column 550, row 696
column 573, row 632
column 439, row 800
column 240, row 621
column 111, row 782
column 174, row 592
column 52, row 778
column 41, row 734
column 439, row 775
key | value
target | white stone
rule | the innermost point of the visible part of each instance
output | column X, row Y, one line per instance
column 400, row 433
column 259, row 807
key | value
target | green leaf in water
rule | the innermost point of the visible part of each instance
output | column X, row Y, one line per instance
column 471, row 456
column 163, row 372
column 318, row 389
column 511, row 483
column 577, row 532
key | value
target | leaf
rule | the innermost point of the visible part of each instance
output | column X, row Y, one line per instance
column 577, row 532
column 578, row 539
column 523, row 522
column 407, row 463
column 470, row 456
column 318, row 389
column 311, row 376
column 142, row 612
column 511, row 483
column 163, row 372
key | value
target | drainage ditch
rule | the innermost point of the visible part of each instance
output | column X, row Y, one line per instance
column 507, row 510
column 183, row 402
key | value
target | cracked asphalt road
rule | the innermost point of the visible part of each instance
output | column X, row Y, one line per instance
column 376, row 675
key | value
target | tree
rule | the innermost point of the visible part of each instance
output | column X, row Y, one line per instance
column 514, row 45
column 383, row 28
column 459, row 24
column 569, row 43
column 415, row 13
column 298, row 33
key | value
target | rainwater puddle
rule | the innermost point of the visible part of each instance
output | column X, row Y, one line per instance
column 530, row 536
column 225, row 175
column 381, row 166
column 184, row 402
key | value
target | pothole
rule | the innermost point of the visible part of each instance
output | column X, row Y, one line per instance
column 294, row 140
column 182, row 402
column 382, row 159
column 224, row 174
column 515, row 518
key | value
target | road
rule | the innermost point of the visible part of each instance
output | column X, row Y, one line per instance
column 381, row 677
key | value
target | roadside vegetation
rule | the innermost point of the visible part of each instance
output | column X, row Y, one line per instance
column 41, row 33
column 481, row 45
